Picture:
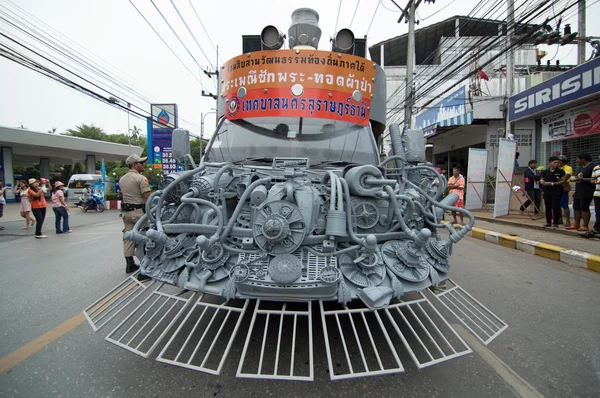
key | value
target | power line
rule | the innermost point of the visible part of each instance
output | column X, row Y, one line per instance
column 84, row 64
column 193, row 36
column 166, row 44
column 375, row 13
column 205, row 31
column 353, row 15
column 338, row 17
column 441, row 9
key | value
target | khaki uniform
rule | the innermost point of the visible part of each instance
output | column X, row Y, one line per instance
column 133, row 186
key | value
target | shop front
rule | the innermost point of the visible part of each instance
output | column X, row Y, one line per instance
column 566, row 113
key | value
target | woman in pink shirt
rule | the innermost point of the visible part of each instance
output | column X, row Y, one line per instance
column 60, row 209
column 456, row 184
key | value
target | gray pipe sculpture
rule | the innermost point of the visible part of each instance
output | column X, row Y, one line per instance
column 366, row 232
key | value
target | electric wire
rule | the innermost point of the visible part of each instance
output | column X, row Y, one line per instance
column 193, row 36
column 338, row 17
column 515, row 44
column 205, row 31
column 353, row 15
column 375, row 13
column 441, row 9
column 84, row 62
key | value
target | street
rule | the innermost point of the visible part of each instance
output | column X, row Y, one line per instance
column 551, row 344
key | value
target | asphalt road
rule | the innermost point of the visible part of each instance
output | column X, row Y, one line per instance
column 552, row 343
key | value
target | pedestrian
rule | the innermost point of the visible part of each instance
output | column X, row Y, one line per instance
column 596, row 175
column 61, row 210
column 552, row 181
column 2, row 201
column 38, row 206
column 533, row 189
column 584, row 193
column 456, row 184
column 564, row 199
column 25, row 206
column 516, row 166
column 135, row 190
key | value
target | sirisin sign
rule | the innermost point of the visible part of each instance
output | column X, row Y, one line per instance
column 574, row 84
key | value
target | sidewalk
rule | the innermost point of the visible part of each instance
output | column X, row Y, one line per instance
column 523, row 226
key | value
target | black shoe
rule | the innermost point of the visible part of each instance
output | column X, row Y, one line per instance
column 130, row 265
column 141, row 277
column 547, row 225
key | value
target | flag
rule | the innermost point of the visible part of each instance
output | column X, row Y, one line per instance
column 103, row 171
column 483, row 75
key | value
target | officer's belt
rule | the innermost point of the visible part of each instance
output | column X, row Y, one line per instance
column 131, row 207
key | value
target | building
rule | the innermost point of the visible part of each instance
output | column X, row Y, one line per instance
column 564, row 112
column 460, row 85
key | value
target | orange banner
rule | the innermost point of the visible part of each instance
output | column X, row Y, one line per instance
column 313, row 69
column 313, row 103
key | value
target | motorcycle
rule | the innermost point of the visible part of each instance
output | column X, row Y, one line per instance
column 96, row 202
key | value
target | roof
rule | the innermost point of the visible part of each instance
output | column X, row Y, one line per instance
column 428, row 38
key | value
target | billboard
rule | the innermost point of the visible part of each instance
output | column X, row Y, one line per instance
column 571, row 85
column 451, row 106
column 476, row 178
column 573, row 123
column 164, row 119
column 504, row 174
column 298, row 83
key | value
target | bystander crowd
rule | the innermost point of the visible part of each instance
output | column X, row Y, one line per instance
column 533, row 189
column 584, row 193
column 38, row 206
column 22, row 191
column 2, row 200
column 553, row 179
column 456, row 184
column 60, row 208
column 565, row 218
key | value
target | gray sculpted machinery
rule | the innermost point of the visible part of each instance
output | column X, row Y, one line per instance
column 292, row 233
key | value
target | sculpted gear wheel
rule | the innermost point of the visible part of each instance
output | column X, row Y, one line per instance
column 398, row 256
column 366, row 215
column 285, row 268
column 279, row 227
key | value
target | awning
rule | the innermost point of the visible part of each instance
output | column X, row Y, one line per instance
column 460, row 120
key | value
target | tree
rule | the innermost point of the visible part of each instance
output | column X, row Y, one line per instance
column 52, row 131
column 135, row 132
column 88, row 131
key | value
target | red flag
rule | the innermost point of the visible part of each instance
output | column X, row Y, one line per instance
column 483, row 75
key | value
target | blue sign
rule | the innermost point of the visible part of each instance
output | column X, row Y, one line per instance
column 160, row 131
column 451, row 106
column 574, row 84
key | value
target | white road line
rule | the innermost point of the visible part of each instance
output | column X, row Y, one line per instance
column 519, row 385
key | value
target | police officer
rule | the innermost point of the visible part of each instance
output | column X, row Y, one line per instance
column 135, row 190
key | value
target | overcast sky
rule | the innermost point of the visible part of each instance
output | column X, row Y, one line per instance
column 117, row 34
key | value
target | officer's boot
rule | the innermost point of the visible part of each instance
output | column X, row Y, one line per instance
column 130, row 265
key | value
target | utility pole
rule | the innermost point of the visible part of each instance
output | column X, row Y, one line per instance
column 410, row 60
column 581, row 31
column 409, row 13
column 510, row 60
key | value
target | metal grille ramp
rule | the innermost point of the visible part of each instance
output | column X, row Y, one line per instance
column 474, row 316
column 425, row 333
column 360, row 337
column 112, row 303
column 279, row 342
column 203, row 339
column 144, row 328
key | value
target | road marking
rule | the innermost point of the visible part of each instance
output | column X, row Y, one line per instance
column 16, row 357
column 519, row 385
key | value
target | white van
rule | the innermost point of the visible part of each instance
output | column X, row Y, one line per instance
column 77, row 184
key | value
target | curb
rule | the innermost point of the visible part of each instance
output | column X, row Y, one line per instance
column 568, row 256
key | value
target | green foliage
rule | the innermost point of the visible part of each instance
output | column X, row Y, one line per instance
column 112, row 196
column 154, row 176
column 197, row 147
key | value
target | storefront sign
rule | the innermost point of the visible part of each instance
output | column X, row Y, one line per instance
column 574, row 84
column 305, row 83
column 504, row 175
column 451, row 106
column 476, row 178
column 573, row 123
column 160, row 154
